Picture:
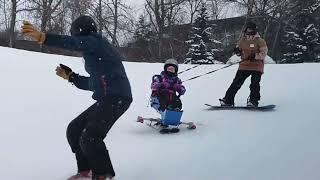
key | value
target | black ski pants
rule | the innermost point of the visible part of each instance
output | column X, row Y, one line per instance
column 86, row 132
column 238, row 81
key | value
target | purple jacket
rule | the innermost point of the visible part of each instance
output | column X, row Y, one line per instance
column 163, row 82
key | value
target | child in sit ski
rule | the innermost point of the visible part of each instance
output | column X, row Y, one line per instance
column 167, row 88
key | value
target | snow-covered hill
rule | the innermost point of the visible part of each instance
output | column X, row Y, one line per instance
column 36, row 107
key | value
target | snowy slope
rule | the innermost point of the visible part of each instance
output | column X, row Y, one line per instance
column 36, row 107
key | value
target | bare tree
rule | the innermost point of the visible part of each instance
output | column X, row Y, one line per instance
column 10, row 22
column 193, row 6
column 252, row 6
column 262, row 7
column 59, row 19
column 243, row 4
column 114, row 9
column 271, row 10
column 116, row 18
column 216, row 7
column 4, row 5
column 46, row 10
column 99, row 16
column 160, row 15
column 78, row 7
column 112, row 16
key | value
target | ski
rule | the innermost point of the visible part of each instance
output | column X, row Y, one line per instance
column 155, row 123
column 169, row 130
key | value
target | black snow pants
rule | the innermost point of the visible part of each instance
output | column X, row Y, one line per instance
column 238, row 81
column 85, row 134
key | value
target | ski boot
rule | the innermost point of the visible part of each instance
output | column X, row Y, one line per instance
column 102, row 177
column 164, row 129
column 83, row 175
column 251, row 103
column 224, row 102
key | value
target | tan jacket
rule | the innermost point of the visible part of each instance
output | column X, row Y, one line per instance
column 253, row 45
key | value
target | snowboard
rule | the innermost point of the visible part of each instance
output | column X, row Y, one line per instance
column 259, row 108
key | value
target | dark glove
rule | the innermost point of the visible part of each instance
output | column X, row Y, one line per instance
column 179, row 88
column 252, row 57
column 237, row 51
column 156, row 78
column 64, row 72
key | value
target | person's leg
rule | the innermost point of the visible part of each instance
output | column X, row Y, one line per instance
column 73, row 133
column 98, row 126
column 255, row 87
column 238, row 81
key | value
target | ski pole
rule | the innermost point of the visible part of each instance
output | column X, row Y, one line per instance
column 189, row 69
column 195, row 77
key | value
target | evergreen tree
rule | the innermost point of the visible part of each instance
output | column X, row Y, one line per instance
column 142, row 34
column 302, row 38
column 295, row 48
column 200, row 42
column 312, row 36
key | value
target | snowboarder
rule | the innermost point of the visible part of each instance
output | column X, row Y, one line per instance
column 253, row 50
column 111, row 90
column 165, row 88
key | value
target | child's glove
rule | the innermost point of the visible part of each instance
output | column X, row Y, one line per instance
column 64, row 72
column 29, row 30
column 165, row 85
column 179, row 88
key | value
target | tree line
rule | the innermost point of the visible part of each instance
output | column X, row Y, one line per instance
column 292, row 25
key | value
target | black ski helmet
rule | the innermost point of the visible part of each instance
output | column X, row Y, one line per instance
column 83, row 25
column 252, row 26
column 171, row 62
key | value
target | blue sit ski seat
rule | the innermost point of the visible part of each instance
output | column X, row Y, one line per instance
column 170, row 117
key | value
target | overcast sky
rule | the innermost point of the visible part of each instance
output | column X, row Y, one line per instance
column 135, row 2
column 138, row 6
column 229, row 11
